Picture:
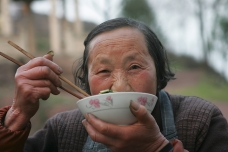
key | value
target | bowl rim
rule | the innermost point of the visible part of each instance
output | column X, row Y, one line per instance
column 94, row 96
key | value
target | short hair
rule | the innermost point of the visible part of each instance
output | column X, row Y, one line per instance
column 154, row 46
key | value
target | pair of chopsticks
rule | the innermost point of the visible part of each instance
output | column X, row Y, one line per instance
column 79, row 96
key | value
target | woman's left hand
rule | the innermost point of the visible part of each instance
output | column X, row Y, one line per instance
column 143, row 135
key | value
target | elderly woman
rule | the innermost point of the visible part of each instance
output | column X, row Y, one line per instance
column 121, row 55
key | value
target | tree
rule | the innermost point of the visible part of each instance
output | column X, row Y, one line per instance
column 223, row 39
column 142, row 10
column 224, row 34
column 107, row 10
column 213, row 38
column 139, row 10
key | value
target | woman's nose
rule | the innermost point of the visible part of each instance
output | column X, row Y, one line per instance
column 120, row 82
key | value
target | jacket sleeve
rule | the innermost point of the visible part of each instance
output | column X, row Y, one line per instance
column 18, row 141
column 12, row 141
column 217, row 135
column 43, row 140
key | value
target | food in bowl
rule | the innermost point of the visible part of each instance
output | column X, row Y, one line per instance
column 106, row 91
column 114, row 107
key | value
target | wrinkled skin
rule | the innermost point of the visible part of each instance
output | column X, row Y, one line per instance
column 119, row 60
column 34, row 80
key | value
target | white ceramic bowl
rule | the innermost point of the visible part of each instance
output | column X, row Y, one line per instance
column 114, row 107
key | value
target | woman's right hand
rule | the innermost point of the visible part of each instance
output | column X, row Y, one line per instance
column 34, row 80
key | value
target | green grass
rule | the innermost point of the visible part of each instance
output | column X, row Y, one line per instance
column 207, row 89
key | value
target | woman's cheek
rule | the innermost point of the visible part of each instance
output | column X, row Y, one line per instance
column 144, row 82
column 98, row 84
column 150, row 87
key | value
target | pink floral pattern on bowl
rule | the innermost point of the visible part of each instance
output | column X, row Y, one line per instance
column 108, row 102
column 96, row 103
column 142, row 100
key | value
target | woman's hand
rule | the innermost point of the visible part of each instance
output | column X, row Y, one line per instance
column 144, row 135
column 34, row 80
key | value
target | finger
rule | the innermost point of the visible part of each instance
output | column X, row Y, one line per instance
column 141, row 113
column 96, row 136
column 41, row 72
column 104, row 128
column 42, row 84
column 41, row 61
column 42, row 93
column 33, row 94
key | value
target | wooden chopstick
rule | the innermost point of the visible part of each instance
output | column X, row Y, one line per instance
column 21, row 50
column 20, row 64
column 11, row 59
column 61, row 77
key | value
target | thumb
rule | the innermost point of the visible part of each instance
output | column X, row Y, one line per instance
column 141, row 113
column 49, row 55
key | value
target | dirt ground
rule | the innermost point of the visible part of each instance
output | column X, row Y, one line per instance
column 190, row 78
column 224, row 108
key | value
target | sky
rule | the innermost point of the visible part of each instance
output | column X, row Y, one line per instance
column 86, row 9
column 182, row 34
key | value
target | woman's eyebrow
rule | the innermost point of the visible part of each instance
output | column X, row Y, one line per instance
column 135, row 57
column 131, row 58
column 102, row 60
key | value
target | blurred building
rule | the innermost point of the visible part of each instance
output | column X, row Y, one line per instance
column 36, row 32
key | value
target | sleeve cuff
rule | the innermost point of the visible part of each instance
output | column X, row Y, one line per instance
column 12, row 140
column 167, row 148
column 3, row 112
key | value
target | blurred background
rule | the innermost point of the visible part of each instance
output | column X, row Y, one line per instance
column 194, row 33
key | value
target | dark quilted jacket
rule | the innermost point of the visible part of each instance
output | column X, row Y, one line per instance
column 200, row 126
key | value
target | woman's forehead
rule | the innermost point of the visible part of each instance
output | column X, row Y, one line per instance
column 120, row 44
column 117, row 35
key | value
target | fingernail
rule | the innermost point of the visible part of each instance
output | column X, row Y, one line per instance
column 84, row 122
column 60, row 70
column 134, row 105
column 51, row 53
column 86, row 115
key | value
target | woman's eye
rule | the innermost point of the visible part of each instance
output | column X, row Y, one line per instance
column 133, row 67
column 103, row 71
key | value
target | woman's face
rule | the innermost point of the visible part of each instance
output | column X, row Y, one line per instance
column 119, row 60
